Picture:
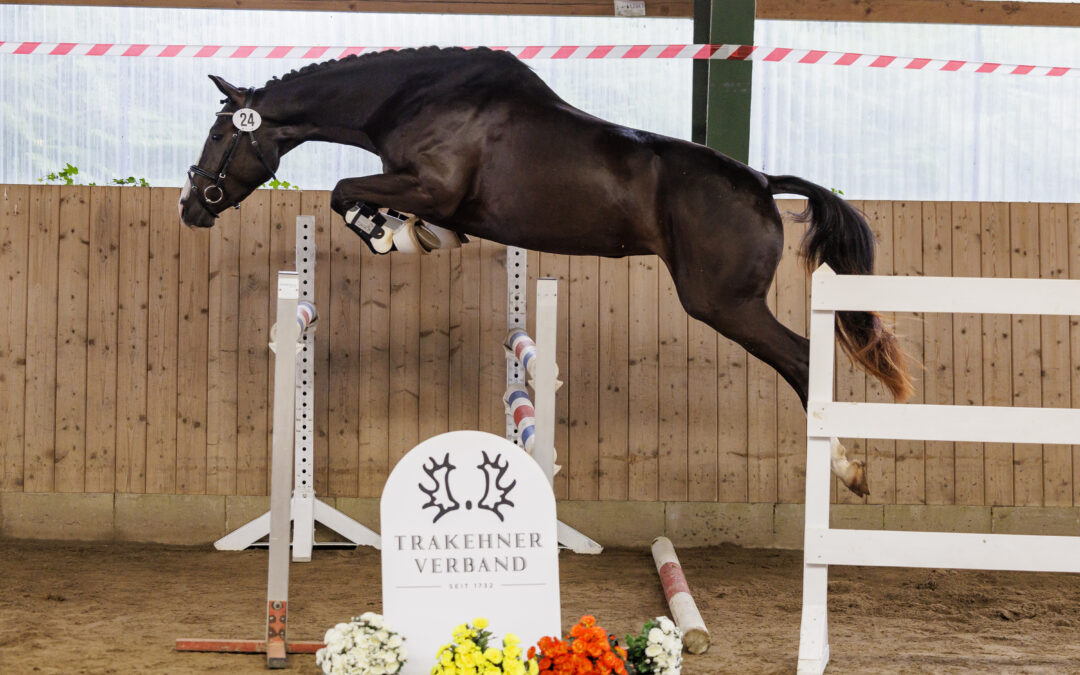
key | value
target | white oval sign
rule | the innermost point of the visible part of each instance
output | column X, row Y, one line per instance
column 246, row 119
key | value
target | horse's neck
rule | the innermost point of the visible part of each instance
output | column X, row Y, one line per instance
column 334, row 106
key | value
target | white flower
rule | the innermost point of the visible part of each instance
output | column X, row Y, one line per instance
column 656, row 635
column 365, row 645
column 666, row 624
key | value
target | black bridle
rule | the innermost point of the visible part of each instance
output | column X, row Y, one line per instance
column 214, row 193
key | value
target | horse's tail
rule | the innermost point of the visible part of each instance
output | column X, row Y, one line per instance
column 839, row 236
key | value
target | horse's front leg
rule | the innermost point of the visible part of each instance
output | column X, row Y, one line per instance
column 400, row 191
column 358, row 200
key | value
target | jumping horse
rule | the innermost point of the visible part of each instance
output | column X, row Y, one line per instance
column 475, row 142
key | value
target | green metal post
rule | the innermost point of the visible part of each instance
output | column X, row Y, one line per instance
column 721, row 98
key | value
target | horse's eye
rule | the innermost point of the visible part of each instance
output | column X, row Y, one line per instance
column 215, row 137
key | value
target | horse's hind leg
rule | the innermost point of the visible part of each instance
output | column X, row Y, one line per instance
column 749, row 322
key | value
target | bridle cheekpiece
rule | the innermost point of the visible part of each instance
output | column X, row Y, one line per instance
column 245, row 121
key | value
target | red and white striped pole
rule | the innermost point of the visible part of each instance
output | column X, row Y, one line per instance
column 683, row 608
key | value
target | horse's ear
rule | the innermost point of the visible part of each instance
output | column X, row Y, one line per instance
column 235, row 94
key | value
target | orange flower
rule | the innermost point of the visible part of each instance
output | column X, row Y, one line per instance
column 587, row 650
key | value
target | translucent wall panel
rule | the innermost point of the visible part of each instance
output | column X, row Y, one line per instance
column 149, row 117
column 897, row 134
column 873, row 133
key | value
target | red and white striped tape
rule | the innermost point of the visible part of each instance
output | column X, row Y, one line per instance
column 716, row 52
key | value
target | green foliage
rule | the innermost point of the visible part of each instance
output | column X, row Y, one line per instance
column 66, row 176
column 635, row 648
column 837, row 192
column 130, row 180
column 276, row 184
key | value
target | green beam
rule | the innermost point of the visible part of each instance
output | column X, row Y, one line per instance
column 721, row 98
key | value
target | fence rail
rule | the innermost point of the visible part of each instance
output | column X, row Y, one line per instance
column 133, row 357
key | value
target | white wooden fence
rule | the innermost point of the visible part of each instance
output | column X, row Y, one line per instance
column 827, row 418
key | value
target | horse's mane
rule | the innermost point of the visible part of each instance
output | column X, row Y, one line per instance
column 390, row 56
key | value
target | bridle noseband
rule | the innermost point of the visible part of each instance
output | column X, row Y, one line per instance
column 214, row 193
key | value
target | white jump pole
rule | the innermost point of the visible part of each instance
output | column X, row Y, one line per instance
column 545, row 383
column 544, row 380
column 277, row 588
column 306, row 510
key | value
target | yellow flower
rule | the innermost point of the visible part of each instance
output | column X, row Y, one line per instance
column 511, row 640
column 493, row 655
column 533, row 668
column 480, row 623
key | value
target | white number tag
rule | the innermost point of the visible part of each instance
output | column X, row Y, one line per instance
column 246, row 119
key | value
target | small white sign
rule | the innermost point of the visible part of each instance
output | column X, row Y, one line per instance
column 246, row 119
column 468, row 530
column 629, row 7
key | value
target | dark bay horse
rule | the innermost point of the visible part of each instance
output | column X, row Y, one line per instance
column 475, row 142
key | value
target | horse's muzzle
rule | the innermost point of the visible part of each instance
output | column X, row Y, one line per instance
column 192, row 212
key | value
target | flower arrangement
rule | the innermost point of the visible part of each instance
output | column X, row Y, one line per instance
column 657, row 650
column 471, row 653
column 365, row 645
column 588, row 650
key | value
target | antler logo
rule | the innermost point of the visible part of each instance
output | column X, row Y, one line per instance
column 494, row 491
column 439, row 496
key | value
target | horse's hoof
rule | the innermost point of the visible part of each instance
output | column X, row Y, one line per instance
column 857, row 484
column 428, row 239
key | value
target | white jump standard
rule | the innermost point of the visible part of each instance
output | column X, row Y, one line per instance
column 530, row 421
column 288, row 334
column 306, row 510
column 827, row 419
column 292, row 507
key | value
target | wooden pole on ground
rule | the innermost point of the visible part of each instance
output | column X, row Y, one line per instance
column 683, row 608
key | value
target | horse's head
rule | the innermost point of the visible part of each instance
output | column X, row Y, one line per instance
column 240, row 154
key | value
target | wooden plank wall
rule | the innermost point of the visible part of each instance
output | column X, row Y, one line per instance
column 133, row 357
